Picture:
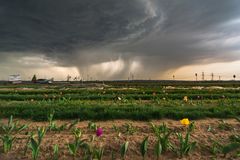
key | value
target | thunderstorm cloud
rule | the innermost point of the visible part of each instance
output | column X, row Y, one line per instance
column 110, row 39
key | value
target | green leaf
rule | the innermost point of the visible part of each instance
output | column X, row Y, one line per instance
column 73, row 124
column 235, row 138
column 144, row 146
column 124, row 149
column 209, row 128
column 99, row 153
column 92, row 126
column 55, row 152
column 158, row 149
column 41, row 133
column 112, row 155
column 238, row 154
column 72, row 149
column 33, row 144
column 10, row 120
column 21, row 128
column 230, row 147
column 7, row 142
column 191, row 127
column 35, row 148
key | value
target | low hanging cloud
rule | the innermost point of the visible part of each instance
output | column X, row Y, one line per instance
column 112, row 39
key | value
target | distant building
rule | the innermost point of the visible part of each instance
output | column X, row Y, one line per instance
column 14, row 79
column 44, row 81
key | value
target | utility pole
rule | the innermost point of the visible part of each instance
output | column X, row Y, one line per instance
column 212, row 75
column 196, row 76
column 131, row 76
column 203, row 76
column 234, row 77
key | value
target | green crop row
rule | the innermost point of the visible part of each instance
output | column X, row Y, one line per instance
column 38, row 111
column 187, row 90
column 18, row 97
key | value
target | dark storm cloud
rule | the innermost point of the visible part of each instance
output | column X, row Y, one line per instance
column 160, row 34
column 62, row 26
column 193, row 32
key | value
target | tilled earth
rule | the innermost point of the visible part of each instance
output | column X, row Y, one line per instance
column 206, row 132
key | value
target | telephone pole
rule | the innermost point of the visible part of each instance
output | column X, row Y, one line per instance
column 196, row 76
column 212, row 75
column 203, row 76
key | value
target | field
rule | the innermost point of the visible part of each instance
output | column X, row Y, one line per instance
column 136, row 119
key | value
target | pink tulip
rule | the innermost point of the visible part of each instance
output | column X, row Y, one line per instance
column 99, row 132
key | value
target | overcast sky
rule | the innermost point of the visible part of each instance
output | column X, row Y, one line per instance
column 109, row 39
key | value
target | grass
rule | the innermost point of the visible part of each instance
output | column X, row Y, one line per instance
column 39, row 110
column 136, row 100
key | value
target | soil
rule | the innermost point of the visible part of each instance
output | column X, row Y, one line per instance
column 111, row 140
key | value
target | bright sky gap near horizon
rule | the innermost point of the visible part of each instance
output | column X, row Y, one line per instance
column 107, row 39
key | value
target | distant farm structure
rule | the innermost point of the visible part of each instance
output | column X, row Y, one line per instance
column 45, row 81
column 42, row 81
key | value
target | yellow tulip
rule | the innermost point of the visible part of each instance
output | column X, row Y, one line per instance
column 185, row 98
column 185, row 121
